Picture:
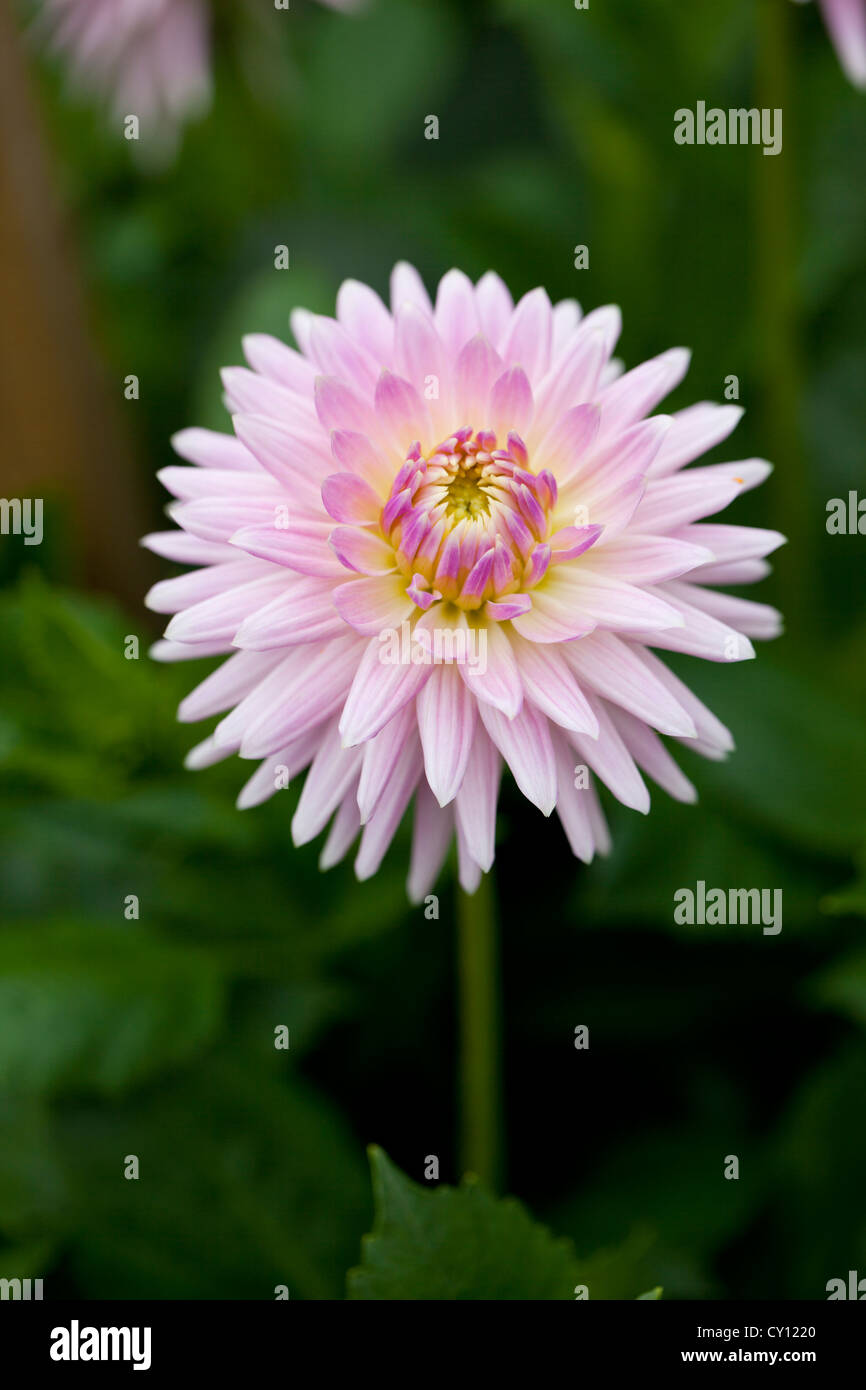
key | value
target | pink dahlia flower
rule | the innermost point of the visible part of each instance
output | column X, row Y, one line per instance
column 846, row 21
column 147, row 58
column 443, row 539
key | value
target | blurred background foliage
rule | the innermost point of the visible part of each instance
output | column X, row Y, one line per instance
column 155, row 1036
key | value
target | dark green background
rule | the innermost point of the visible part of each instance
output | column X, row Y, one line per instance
column 156, row 1037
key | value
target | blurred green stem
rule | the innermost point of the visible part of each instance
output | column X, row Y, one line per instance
column 480, row 1119
column 778, row 322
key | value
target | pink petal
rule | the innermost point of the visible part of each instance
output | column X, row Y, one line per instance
column 495, row 306
column 756, row 620
column 305, row 613
column 173, row 595
column 302, row 546
column 554, row 616
column 456, row 313
column 650, row 754
column 373, row 605
column 418, row 350
column 511, row 404
column 300, row 461
column 218, row 518
column 362, row 550
column 431, row 836
column 566, row 316
column 846, row 22
column 333, row 771
column 341, row 408
column 671, row 502
column 231, row 682
column 185, row 549
column 694, row 432
column 609, row 758
column 344, row 831
column 314, row 691
column 738, row 572
column 567, row 447
column 550, row 684
column 350, row 499
column 710, row 729
column 359, row 455
column 733, row 543
column 446, row 723
column 572, row 802
column 528, row 340
column 280, row 363
column 380, row 688
column 337, row 354
column 477, row 368
column 573, row 381
column 271, row 775
column 362, row 313
column 621, row 458
column 209, row 449
column 401, row 416
column 639, row 391
column 605, row 664
column 700, row 634
column 511, row 607
column 476, row 800
column 189, row 483
column 219, row 617
column 524, row 743
column 251, row 394
column 649, row 559
column 380, row 828
column 408, row 287
column 381, row 756
column 495, row 679
column 608, row 602
column 468, row 871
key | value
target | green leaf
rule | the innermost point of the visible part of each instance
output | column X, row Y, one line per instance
column 461, row 1244
column 380, row 103
column 34, row 1193
column 842, row 986
column 97, row 1008
column 245, row 1182
column 651, row 1294
column 456, row 1244
column 821, row 1218
column 26, row 1261
column 816, row 801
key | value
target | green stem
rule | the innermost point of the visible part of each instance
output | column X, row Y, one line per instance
column 480, row 1118
column 778, row 323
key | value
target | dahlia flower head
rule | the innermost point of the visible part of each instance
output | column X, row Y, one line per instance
column 846, row 23
column 441, row 541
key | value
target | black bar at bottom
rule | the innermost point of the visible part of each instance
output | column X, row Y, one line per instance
column 80, row 1339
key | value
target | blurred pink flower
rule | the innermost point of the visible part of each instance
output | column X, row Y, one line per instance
column 445, row 538
column 846, row 21
column 147, row 58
